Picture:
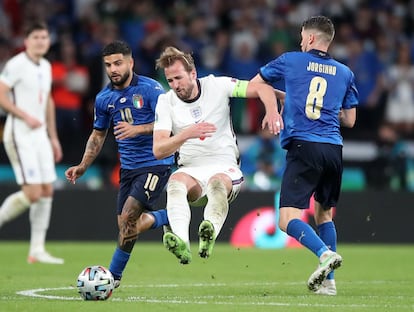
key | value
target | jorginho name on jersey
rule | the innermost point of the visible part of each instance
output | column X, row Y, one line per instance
column 317, row 87
column 135, row 105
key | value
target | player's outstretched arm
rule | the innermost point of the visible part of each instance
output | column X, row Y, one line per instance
column 92, row 149
column 266, row 93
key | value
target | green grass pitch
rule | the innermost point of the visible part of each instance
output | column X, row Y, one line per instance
column 373, row 278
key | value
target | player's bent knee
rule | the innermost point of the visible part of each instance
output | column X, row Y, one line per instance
column 216, row 187
column 145, row 222
column 176, row 188
column 283, row 223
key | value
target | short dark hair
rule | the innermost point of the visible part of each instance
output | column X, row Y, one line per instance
column 32, row 26
column 322, row 24
column 117, row 47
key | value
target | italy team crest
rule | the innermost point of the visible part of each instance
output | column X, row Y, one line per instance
column 138, row 101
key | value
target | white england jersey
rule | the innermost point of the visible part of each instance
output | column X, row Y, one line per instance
column 29, row 150
column 30, row 84
column 211, row 106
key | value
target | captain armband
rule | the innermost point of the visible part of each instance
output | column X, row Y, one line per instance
column 240, row 90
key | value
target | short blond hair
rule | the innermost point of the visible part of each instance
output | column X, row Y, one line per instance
column 170, row 55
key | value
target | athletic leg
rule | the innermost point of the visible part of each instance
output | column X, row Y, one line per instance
column 13, row 206
column 215, row 213
column 179, row 216
column 128, row 234
column 326, row 228
column 40, row 213
column 327, row 232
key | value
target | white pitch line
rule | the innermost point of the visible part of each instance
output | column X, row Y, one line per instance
column 34, row 293
column 39, row 293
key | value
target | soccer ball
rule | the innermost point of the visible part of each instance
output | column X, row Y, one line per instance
column 95, row 283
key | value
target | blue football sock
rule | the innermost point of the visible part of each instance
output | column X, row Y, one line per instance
column 119, row 261
column 327, row 233
column 305, row 235
column 161, row 218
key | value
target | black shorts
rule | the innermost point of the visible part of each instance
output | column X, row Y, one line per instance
column 144, row 184
column 311, row 168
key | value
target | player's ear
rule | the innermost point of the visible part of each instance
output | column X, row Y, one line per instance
column 193, row 73
column 311, row 38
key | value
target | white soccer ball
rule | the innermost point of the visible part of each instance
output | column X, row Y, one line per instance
column 95, row 283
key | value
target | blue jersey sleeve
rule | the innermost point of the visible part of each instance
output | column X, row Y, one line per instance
column 273, row 72
column 351, row 98
column 102, row 116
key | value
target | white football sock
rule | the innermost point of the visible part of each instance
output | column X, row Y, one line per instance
column 14, row 205
column 40, row 212
column 178, row 210
column 217, row 206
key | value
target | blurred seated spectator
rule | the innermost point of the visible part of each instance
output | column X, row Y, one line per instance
column 243, row 64
column 399, row 112
column 5, row 54
column 215, row 54
column 369, row 80
column 70, row 84
column 263, row 162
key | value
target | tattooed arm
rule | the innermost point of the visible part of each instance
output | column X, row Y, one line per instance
column 92, row 149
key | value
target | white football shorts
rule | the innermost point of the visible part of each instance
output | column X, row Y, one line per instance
column 203, row 174
column 31, row 157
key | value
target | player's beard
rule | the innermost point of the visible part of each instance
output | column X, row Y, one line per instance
column 185, row 93
column 121, row 81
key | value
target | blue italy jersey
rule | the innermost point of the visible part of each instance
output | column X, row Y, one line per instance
column 135, row 105
column 317, row 87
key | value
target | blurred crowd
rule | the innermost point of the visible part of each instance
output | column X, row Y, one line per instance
column 374, row 38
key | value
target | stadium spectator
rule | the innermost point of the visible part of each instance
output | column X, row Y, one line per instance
column 369, row 79
column 70, row 85
column 399, row 113
column 242, row 63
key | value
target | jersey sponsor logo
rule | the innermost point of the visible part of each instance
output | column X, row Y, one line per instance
column 137, row 100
